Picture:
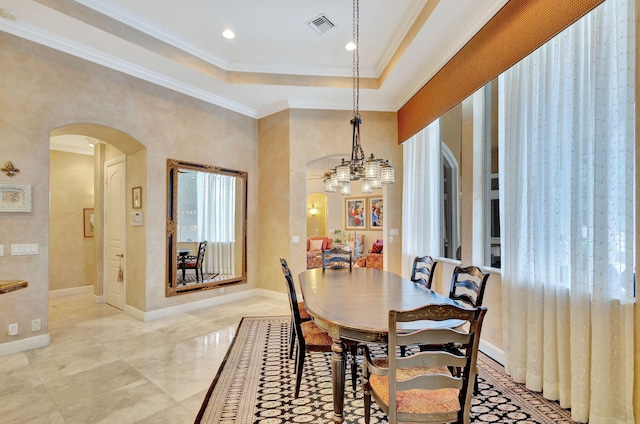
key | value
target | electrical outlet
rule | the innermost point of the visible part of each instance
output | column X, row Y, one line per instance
column 13, row 329
column 221, row 289
column 35, row 324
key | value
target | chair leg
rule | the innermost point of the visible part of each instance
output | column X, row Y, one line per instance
column 299, row 369
column 354, row 368
column 292, row 339
column 475, row 385
column 367, row 402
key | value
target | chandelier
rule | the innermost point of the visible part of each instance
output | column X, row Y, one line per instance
column 371, row 171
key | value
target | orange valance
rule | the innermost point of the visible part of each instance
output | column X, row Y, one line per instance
column 519, row 28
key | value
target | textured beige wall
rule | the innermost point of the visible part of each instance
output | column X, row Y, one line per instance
column 135, row 255
column 72, row 256
column 317, row 224
column 274, row 200
column 43, row 90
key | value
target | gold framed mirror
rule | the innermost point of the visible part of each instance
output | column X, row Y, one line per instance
column 206, row 227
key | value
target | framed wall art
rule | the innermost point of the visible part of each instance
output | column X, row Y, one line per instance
column 89, row 222
column 15, row 197
column 136, row 197
column 377, row 214
column 355, row 217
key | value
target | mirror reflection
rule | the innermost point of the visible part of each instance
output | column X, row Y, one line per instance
column 451, row 145
column 206, row 227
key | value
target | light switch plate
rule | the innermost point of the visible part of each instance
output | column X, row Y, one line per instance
column 24, row 249
column 1, row 249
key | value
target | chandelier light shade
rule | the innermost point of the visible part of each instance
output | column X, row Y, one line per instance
column 366, row 187
column 372, row 172
column 346, row 189
column 388, row 175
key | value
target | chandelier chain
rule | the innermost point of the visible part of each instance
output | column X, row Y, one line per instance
column 372, row 172
column 356, row 58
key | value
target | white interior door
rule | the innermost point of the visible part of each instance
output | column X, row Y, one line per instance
column 114, row 232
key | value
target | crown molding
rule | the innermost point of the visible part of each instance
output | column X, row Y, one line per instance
column 115, row 12
column 65, row 45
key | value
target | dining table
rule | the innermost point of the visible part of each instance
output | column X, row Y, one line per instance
column 355, row 304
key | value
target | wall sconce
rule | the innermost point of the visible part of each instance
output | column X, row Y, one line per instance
column 9, row 169
column 313, row 211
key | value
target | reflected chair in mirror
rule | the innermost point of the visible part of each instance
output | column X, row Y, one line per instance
column 304, row 315
column 423, row 270
column 336, row 258
column 309, row 337
column 420, row 387
column 195, row 262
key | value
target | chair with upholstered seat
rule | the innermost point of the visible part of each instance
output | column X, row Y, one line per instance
column 195, row 262
column 423, row 270
column 420, row 387
column 304, row 316
column 309, row 337
column 336, row 258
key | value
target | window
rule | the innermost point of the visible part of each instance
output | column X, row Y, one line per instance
column 492, row 248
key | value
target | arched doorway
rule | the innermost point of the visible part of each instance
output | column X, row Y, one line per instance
column 118, row 164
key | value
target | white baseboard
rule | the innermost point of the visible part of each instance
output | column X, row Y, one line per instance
column 21, row 345
column 199, row 304
column 272, row 294
column 71, row 291
column 492, row 352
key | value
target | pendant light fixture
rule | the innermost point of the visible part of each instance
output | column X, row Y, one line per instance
column 371, row 171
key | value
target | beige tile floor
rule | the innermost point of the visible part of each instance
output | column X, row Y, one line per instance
column 103, row 366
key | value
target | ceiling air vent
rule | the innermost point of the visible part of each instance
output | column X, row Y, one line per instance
column 320, row 24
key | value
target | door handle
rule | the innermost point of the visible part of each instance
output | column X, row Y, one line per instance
column 120, row 255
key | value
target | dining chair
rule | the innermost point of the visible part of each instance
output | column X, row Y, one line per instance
column 420, row 387
column 468, row 285
column 195, row 262
column 336, row 258
column 309, row 337
column 304, row 315
column 423, row 270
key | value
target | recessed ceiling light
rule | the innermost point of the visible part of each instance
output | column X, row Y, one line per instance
column 351, row 46
column 228, row 34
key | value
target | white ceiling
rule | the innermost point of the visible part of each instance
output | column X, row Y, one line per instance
column 178, row 44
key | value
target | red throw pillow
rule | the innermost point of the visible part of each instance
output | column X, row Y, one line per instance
column 377, row 247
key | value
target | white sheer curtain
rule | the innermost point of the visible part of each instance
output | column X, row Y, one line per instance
column 566, row 128
column 216, row 211
column 421, row 196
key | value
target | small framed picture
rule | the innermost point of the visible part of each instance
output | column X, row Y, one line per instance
column 376, row 211
column 15, row 197
column 136, row 197
column 355, row 217
column 89, row 222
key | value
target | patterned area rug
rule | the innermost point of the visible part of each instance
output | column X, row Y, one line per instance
column 255, row 384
